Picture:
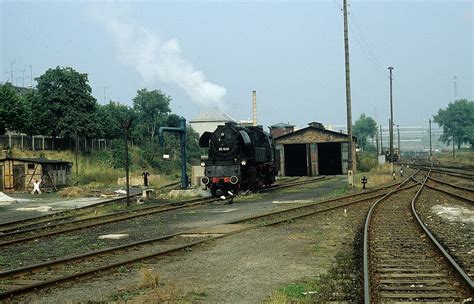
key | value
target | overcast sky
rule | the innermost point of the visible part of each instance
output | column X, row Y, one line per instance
column 214, row 53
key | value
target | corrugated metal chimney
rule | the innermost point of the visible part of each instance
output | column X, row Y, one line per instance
column 254, row 103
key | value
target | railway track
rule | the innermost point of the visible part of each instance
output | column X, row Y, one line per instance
column 67, row 215
column 450, row 220
column 49, row 230
column 47, row 227
column 464, row 193
column 21, row 280
column 458, row 173
column 403, row 262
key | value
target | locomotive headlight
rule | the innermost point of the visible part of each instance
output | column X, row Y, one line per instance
column 243, row 163
column 203, row 164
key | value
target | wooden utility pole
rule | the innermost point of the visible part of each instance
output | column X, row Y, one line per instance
column 455, row 88
column 381, row 140
column 431, row 151
column 350, row 173
column 377, row 140
column 76, row 153
column 391, row 117
column 126, row 124
column 454, row 155
column 399, row 148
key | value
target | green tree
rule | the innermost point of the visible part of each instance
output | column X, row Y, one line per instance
column 39, row 120
column 112, row 116
column 365, row 127
column 13, row 111
column 457, row 121
column 66, row 95
column 152, row 108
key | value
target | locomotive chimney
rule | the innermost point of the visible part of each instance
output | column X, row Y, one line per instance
column 254, row 108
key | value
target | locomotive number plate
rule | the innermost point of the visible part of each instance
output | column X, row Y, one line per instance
column 224, row 149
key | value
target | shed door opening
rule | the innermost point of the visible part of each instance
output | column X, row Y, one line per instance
column 18, row 177
column 330, row 162
column 296, row 160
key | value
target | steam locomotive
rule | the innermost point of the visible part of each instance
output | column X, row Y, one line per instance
column 239, row 159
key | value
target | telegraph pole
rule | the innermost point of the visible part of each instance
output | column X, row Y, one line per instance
column 399, row 148
column 31, row 75
column 377, row 140
column 348, row 98
column 105, row 95
column 391, row 117
column 454, row 155
column 431, row 152
column 126, row 124
column 455, row 88
column 23, row 76
column 11, row 70
column 381, row 140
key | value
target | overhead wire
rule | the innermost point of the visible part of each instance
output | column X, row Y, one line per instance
column 365, row 41
column 362, row 40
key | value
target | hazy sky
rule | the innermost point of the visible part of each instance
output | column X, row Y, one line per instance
column 214, row 53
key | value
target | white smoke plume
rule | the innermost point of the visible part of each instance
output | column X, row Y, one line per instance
column 160, row 60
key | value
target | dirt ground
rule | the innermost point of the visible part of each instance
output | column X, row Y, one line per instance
column 247, row 267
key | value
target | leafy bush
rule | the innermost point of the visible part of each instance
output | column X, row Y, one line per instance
column 366, row 162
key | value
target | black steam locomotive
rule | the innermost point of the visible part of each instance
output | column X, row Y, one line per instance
column 240, row 158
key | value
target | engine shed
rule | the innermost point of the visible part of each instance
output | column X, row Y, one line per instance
column 18, row 174
column 313, row 151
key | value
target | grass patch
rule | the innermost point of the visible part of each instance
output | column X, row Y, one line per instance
column 463, row 156
column 67, row 245
column 295, row 291
column 126, row 295
column 381, row 175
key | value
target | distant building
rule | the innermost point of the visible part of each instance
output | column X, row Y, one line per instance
column 208, row 121
column 281, row 129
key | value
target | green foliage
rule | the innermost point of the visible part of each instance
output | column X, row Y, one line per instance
column 172, row 121
column 13, row 111
column 369, row 148
column 366, row 162
column 152, row 153
column 117, row 153
column 66, row 95
column 39, row 120
column 193, row 151
column 295, row 291
column 364, row 127
column 112, row 116
column 457, row 121
column 152, row 108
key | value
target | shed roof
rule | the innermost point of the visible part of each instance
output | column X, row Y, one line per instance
column 313, row 129
column 37, row 160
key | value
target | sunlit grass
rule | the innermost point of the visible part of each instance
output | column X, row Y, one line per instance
column 464, row 156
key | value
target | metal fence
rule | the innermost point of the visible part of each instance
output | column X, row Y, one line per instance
column 24, row 142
